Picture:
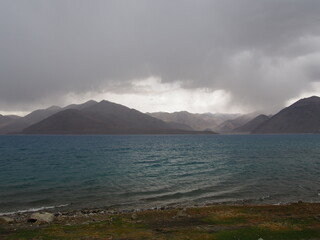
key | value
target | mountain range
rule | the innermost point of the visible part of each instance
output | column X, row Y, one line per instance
column 110, row 118
column 5, row 120
column 252, row 124
column 200, row 122
column 301, row 117
column 97, row 118
column 16, row 125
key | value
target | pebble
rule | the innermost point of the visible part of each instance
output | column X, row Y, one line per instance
column 134, row 216
column 182, row 213
column 7, row 220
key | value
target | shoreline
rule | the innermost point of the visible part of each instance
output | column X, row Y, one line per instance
column 299, row 217
column 68, row 206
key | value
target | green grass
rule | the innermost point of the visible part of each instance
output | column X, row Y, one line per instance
column 293, row 222
column 254, row 233
column 118, row 229
column 225, row 221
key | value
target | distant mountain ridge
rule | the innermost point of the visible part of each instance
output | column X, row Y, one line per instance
column 110, row 118
column 301, row 117
column 221, row 123
column 230, row 125
column 19, row 124
column 16, row 125
column 251, row 125
column 5, row 120
column 197, row 121
column 105, row 118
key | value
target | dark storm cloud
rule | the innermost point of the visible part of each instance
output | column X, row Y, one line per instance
column 263, row 52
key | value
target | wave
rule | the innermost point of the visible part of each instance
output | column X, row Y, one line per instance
column 34, row 209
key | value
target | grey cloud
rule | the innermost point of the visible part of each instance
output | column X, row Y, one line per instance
column 256, row 50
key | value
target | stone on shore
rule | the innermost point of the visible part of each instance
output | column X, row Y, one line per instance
column 134, row 217
column 41, row 217
column 182, row 213
column 7, row 220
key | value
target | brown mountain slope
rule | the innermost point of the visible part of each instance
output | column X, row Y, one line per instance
column 231, row 124
column 196, row 121
column 301, row 117
column 18, row 124
column 7, row 119
column 251, row 125
column 102, row 118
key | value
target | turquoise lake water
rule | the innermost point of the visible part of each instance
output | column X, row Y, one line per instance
column 160, row 170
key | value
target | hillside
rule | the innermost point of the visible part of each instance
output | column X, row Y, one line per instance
column 251, row 125
column 16, row 125
column 198, row 122
column 104, row 118
column 7, row 119
column 19, row 124
column 229, row 125
column 301, row 117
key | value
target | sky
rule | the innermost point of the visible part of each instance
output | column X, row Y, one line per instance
column 171, row 55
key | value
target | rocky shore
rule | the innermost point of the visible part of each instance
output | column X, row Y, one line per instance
column 26, row 219
column 298, row 220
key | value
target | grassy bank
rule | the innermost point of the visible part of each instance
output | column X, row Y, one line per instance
column 294, row 221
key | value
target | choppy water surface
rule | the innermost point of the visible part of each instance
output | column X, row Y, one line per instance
column 149, row 171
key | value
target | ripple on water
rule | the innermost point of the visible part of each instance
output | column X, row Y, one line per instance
column 36, row 171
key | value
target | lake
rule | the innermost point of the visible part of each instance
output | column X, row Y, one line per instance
column 145, row 171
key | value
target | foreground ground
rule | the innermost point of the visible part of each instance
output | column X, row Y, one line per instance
column 294, row 221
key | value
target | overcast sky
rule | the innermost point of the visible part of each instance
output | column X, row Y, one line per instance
column 165, row 55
